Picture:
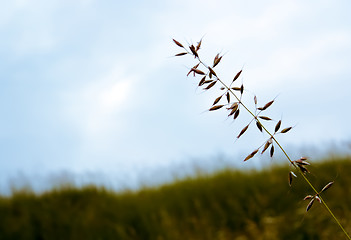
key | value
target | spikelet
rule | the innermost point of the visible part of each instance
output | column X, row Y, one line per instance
column 216, row 60
column 291, row 175
column 268, row 143
column 193, row 50
column 216, row 107
column 303, row 169
column 181, row 54
column 210, row 85
column 266, row 106
column 217, row 100
column 271, row 151
column 228, row 97
column 301, row 162
column 208, row 81
column 308, row 197
column 237, row 75
column 197, row 71
column 327, row 186
column 236, row 88
column 318, row 199
column 251, row 155
column 178, row 43
column 310, row 205
column 265, row 118
column 285, row 130
column 202, row 81
column 233, row 108
column 243, row 131
column 193, row 70
column 212, row 72
column 277, row 126
column 236, row 114
column 198, row 45
column 232, row 112
column 259, row 126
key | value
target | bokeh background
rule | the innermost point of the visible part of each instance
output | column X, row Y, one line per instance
column 90, row 91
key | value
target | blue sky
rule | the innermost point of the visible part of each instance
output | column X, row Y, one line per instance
column 89, row 89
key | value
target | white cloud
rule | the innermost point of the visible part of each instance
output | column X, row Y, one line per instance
column 95, row 107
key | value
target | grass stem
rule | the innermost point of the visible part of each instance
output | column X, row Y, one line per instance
column 194, row 51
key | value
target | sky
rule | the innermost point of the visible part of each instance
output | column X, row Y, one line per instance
column 90, row 91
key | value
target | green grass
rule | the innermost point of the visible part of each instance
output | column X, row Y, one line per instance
column 225, row 205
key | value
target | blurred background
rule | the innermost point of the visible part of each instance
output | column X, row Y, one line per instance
column 90, row 91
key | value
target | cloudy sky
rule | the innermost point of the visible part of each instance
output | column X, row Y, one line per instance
column 90, row 89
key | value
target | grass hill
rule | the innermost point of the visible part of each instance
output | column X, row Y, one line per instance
column 228, row 204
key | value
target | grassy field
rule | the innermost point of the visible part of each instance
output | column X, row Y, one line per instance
column 224, row 205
